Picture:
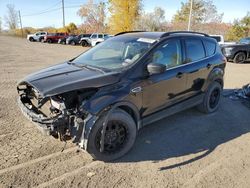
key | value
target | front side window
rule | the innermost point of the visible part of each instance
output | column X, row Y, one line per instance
column 114, row 53
column 168, row 54
column 194, row 50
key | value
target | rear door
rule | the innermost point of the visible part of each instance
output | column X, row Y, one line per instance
column 200, row 63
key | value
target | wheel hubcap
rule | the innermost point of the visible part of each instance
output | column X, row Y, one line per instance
column 214, row 98
column 240, row 58
column 115, row 138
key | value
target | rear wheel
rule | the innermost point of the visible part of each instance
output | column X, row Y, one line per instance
column 240, row 57
column 120, row 135
column 211, row 99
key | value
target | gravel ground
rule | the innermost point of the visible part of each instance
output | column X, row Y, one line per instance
column 188, row 149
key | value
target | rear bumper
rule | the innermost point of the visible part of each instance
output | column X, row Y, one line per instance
column 44, row 124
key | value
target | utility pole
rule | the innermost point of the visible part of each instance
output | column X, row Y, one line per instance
column 190, row 14
column 19, row 13
column 63, row 13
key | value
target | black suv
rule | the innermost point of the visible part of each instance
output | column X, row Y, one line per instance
column 101, row 98
column 238, row 52
column 75, row 40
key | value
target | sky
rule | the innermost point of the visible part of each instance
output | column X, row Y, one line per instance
column 44, row 13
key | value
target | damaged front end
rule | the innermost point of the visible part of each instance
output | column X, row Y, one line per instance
column 62, row 116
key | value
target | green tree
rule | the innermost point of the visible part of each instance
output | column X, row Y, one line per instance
column 71, row 28
column 246, row 24
column 240, row 28
column 124, row 14
column 11, row 18
column 203, row 11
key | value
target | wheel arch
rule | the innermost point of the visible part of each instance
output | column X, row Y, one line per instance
column 243, row 51
column 216, row 75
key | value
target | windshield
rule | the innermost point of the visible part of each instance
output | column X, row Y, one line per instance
column 245, row 41
column 115, row 53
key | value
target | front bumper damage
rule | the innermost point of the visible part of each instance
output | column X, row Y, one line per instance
column 78, row 129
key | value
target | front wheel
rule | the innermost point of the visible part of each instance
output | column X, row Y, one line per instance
column 120, row 135
column 84, row 43
column 239, row 57
column 31, row 39
column 211, row 99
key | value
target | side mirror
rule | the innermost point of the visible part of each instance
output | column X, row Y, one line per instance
column 156, row 68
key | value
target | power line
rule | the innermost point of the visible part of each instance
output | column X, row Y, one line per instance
column 50, row 9
column 34, row 14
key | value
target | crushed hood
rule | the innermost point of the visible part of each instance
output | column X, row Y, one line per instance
column 66, row 77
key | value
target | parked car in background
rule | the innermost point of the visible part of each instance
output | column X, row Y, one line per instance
column 63, row 40
column 75, row 40
column 103, row 97
column 54, row 37
column 94, row 39
column 238, row 52
column 220, row 39
column 245, row 40
column 38, row 36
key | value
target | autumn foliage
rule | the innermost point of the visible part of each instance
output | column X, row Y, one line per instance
column 123, row 15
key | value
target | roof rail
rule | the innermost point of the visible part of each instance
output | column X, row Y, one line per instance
column 124, row 32
column 180, row 32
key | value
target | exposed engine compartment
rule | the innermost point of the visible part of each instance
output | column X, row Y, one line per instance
column 61, row 114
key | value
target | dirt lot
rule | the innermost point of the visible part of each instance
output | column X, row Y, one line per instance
column 188, row 149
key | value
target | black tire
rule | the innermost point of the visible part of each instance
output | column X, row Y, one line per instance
column 84, row 43
column 122, row 127
column 49, row 41
column 31, row 39
column 211, row 99
column 40, row 39
column 240, row 57
column 73, row 43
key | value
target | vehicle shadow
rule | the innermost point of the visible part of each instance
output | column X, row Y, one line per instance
column 190, row 132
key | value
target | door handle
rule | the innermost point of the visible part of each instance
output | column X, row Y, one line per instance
column 179, row 74
column 209, row 65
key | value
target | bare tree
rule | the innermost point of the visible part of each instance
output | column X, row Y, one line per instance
column 11, row 18
column 152, row 21
column 94, row 16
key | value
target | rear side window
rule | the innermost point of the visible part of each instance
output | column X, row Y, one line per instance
column 210, row 47
column 194, row 49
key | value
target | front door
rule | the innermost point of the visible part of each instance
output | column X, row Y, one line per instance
column 162, row 90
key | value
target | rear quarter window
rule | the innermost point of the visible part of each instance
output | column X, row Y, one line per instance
column 210, row 47
column 194, row 49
